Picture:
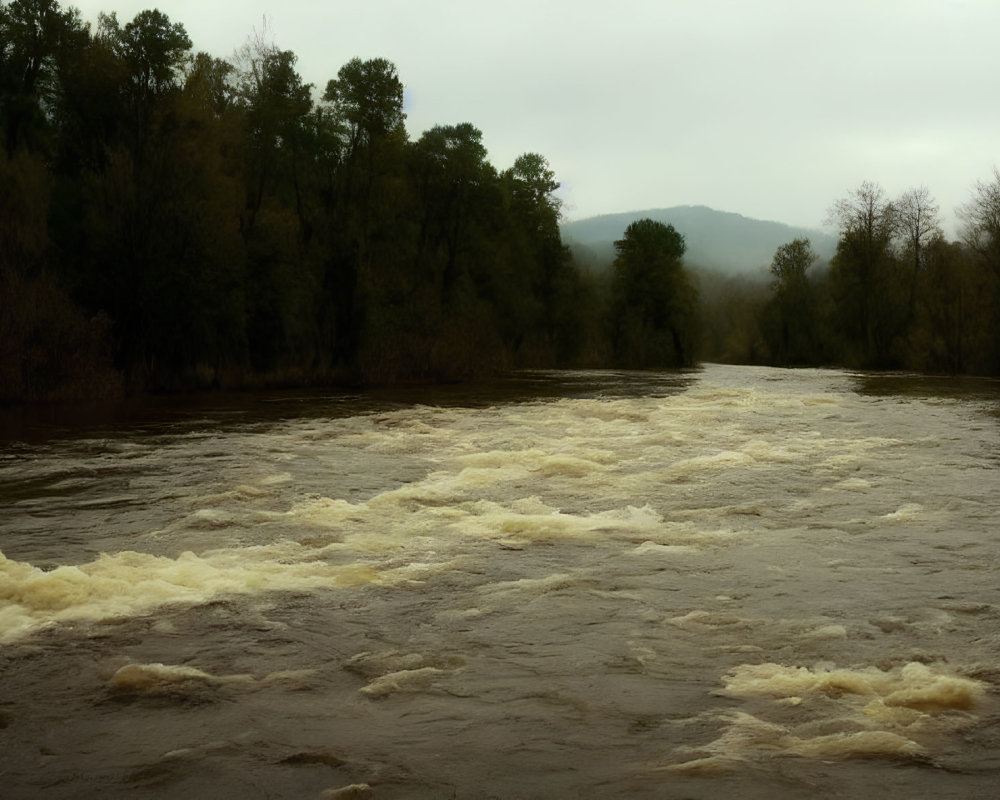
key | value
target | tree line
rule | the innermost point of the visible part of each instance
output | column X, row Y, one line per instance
column 174, row 220
column 897, row 294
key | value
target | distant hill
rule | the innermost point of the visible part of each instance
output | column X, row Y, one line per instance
column 717, row 240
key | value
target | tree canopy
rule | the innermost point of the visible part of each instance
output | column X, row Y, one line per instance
column 172, row 220
column 210, row 223
column 654, row 299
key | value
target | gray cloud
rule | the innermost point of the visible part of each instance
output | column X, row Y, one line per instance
column 770, row 108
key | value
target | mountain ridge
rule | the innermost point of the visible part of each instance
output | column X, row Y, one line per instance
column 717, row 240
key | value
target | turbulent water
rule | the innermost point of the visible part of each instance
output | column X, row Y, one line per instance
column 730, row 583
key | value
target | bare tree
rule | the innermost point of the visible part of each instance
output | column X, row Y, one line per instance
column 917, row 224
column 867, row 215
column 981, row 221
column 981, row 232
column 863, row 272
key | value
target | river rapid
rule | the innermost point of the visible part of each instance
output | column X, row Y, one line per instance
column 733, row 582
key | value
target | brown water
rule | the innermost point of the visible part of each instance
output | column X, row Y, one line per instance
column 736, row 582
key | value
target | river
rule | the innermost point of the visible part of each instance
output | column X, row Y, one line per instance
column 733, row 582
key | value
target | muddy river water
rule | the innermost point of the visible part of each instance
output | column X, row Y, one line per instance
column 733, row 582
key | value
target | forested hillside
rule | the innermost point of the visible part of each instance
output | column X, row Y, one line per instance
column 716, row 240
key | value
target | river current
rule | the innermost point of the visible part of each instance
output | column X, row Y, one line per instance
column 733, row 582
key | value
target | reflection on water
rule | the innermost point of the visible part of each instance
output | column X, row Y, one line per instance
column 731, row 582
column 221, row 410
column 954, row 387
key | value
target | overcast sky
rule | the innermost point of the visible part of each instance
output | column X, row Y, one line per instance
column 770, row 108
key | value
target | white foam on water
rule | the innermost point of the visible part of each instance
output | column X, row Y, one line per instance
column 914, row 686
column 742, row 735
column 745, row 738
column 586, row 490
column 555, row 582
column 398, row 672
column 579, row 463
column 700, row 620
column 130, row 583
column 905, row 512
column 860, row 744
column 714, row 462
column 833, row 631
column 547, row 525
column 328, row 512
column 403, row 681
column 649, row 548
column 154, row 678
column 847, row 713
column 277, row 479
column 157, row 678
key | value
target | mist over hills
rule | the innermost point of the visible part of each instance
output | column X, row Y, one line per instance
column 716, row 240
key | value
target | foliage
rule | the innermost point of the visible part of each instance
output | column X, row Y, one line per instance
column 152, row 49
column 49, row 348
column 897, row 294
column 172, row 220
column 789, row 319
column 731, row 309
column 37, row 40
column 654, row 299
column 201, row 222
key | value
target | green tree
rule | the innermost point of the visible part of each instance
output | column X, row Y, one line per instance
column 790, row 317
column 425, row 316
column 285, row 144
column 49, row 348
column 368, row 214
column 533, row 184
column 451, row 171
column 150, row 207
column 92, row 115
column 369, row 96
column 537, row 267
column 731, row 308
column 790, row 263
column 276, row 106
column 36, row 37
column 153, row 51
column 210, row 81
column 654, row 301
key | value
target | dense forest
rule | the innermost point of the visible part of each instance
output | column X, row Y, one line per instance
column 896, row 295
column 172, row 220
